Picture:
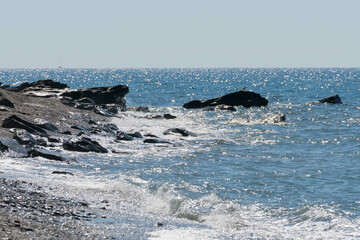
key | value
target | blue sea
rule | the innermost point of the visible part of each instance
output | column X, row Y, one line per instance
column 243, row 176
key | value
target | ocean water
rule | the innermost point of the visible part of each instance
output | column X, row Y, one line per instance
column 242, row 176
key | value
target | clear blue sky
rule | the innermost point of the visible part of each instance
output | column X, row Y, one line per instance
column 186, row 33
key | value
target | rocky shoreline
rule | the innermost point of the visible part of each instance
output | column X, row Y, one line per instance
column 37, row 119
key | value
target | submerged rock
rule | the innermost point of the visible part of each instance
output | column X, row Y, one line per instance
column 37, row 152
column 84, row 145
column 181, row 131
column 335, row 99
column 241, row 98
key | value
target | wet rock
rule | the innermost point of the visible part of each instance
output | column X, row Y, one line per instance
column 279, row 118
column 155, row 140
column 24, row 137
column 15, row 122
column 67, row 133
column 84, row 145
column 13, row 145
column 3, row 148
column 7, row 103
column 169, row 116
column 157, row 116
column 180, row 131
column 81, row 128
column 37, row 152
column 62, row 172
column 54, row 139
column 135, row 135
column 335, row 99
column 241, row 98
column 45, row 125
column 151, row 135
column 124, row 137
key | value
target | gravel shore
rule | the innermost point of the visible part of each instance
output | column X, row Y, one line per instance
column 27, row 212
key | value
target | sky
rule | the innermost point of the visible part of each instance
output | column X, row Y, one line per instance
column 179, row 34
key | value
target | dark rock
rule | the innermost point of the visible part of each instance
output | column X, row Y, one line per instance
column 151, row 135
column 67, row 133
column 135, row 135
column 54, row 139
column 335, row 99
column 3, row 148
column 7, row 103
column 84, row 145
column 241, row 98
column 14, row 146
column 80, row 133
column 62, row 172
column 38, row 85
column 99, row 95
column 15, row 122
column 123, row 137
column 154, row 116
column 24, row 137
column 36, row 152
column 154, row 140
column 180, row 131
column 169, row 116
column 45, row 125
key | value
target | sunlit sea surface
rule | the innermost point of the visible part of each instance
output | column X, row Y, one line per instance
column 242, row 177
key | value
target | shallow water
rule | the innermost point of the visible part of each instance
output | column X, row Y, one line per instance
column 242, row 176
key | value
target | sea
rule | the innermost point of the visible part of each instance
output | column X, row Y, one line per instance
column 241, row 176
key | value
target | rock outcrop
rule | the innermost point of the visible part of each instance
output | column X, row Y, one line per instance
column 241, row 98
column 335, row 99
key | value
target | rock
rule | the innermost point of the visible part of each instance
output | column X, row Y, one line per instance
column 154, row 140
column 135, row 135
column 62, row 172
column 45, row 125
column 180, row 131
column 81, row 128
column 37, row 152
column 241, row 98
column 279, row 118
column 151, row 135
column 24, row 137
column 37, row 86
column 84, row 145
column 169, row 116
column 14, row 146
column 157, row 116
column 7, row 103
column 54, row 139
column 335, row 99
column 123, row 137
column 67, row 133
column 3, row 147
column 139, row 109
column 100, row 96
column 15, row 122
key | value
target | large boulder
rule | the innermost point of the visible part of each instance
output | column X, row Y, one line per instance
column 99, row 96
column 41, row 88
column 84, row 145
column 241, row 98
column 335, row 99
